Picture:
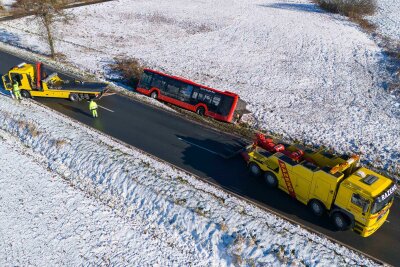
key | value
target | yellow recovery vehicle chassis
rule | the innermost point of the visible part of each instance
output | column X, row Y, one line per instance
column 32, row 84
column 354, row 197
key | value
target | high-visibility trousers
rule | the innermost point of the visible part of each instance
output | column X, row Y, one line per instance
column 94, row 113
column 17, row 95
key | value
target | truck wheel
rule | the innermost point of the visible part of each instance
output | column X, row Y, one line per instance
column 154, row 95
column 316, row 207
column 340, row 221
column 270, row 179
column 73, row 97
column 254, row 169
column 25, row 94
column 201, row 111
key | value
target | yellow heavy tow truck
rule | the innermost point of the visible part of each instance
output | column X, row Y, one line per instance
column 355, row 197
column 34, row 83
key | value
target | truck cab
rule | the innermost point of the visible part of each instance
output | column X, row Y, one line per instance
column 24, row 74
column 353, row 197
column 32, row 84
column 365, row 197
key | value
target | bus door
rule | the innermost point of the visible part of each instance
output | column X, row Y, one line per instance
column 185, row 93
column 145, row 81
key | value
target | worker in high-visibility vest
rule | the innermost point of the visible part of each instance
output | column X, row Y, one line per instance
column 93, row 108
column 16, row 91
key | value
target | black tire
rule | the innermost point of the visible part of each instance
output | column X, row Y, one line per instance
column 154, row 95
column 74, row 97
column 340, row 221
column 316, row 207
column 270, row 179
column 201, row 111
column 254, row 169
column 25, row 94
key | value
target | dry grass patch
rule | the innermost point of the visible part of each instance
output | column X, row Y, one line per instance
column 60, row 143
column 31, row 128
column 349, row 8
column 354, row 9
column 129, row 68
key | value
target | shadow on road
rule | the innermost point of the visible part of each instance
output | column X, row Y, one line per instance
column 226, row 149
column 75, row 109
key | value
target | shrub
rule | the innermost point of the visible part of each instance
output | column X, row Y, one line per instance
column 350, row 8
column 129, row 68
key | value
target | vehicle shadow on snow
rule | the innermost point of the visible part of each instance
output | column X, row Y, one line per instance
column 295, row 7
column 232, row 174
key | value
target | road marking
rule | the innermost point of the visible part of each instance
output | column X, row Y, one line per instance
column 206, row 149
column 106, row 108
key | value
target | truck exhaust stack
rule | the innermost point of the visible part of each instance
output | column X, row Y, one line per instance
column 38, row 75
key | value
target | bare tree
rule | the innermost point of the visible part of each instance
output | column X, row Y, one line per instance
column 49, row 13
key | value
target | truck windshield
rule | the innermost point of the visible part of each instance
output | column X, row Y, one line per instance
column 383, row 200
column 378, row 206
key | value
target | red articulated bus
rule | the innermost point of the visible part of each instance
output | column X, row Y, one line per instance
column 205, row 101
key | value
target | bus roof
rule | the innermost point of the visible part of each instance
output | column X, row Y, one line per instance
column 192, row 83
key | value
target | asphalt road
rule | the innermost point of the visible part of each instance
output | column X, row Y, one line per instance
column 210, row 154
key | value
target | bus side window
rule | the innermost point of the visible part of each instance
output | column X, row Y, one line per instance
column 172, row 88
column 186, row 91
column 158, row 82
column 207, row 98
column 201, row 94
column 216, row 100
column 195, row 93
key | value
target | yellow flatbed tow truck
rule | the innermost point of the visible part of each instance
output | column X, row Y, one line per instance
column 354, row 197
column 32, row 84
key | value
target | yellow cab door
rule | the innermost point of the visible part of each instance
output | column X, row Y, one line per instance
column 358, row 206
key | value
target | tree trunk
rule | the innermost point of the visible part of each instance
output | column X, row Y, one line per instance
column 50, row 41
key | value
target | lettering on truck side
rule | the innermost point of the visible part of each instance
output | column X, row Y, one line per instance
column 286, row 177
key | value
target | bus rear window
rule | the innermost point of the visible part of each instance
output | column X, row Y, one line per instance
column 225, row 105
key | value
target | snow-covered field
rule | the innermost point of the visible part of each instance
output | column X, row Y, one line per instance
column 387, row 18
column 97, row 202
column 306, row 74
